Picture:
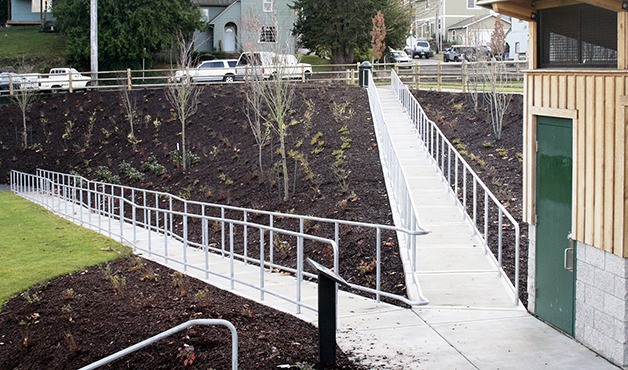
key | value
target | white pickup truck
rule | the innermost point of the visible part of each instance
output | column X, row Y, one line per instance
column 64, row 79
column 269, row 65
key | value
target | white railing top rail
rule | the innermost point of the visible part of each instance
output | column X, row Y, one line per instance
column 167, row 333
column 419, row 231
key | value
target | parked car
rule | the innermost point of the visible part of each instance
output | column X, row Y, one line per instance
column 400, row 58
column 210, row 70
column 454, row 53
column 269, row 65
column 422, row 49
column 9, row 81
column 62, row 78
column 457, row 53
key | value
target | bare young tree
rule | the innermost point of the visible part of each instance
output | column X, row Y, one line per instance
column 498, row 101
column 181, row 93
column 497, row 77
column 269, row 97
column 378, row 35
column 129, row 106
column 24, row 95
column 475, row 68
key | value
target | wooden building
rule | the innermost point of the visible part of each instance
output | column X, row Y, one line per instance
column 575, row 167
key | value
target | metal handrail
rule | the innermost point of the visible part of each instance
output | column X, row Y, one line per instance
column 143, row 210
column 167, row 333
column 396, row 176
column 456, row 171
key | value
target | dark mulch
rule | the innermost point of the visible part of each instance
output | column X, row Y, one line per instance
column 87, row 133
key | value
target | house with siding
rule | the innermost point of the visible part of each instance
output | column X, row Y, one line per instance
column 464, row 22
column 29, row 12
column 475, row 30
column 576, row 167
column 240, row 25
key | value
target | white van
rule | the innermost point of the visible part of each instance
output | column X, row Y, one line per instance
column 269, row 65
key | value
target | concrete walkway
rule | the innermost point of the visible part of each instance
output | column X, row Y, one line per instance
column 470, row 323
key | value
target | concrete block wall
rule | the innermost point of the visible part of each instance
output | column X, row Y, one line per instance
column 602, row 302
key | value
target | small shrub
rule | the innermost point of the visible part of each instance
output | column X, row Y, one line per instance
column 502, row 152
column 119, row 283
column 68, row 293
column 153, row 166
column 104, row 174
column 365, row 268
column 317, row 150
column 149, row 275
column 67, row 311
column 186, row 353
column 131, row 172
column 487, row 144
column 31, row 298
column 202, row 296
column 192, row 158
column 175, row 157
column 315, row 138
column 179, row 282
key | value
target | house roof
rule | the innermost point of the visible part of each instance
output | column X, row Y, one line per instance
column 214, row 2
column 224, row 11
column 472, row 20
column 526, row 9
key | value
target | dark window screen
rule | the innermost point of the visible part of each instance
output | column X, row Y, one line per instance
column 579, row 36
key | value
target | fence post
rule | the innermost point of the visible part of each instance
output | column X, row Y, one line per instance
column 464, row 75
column 70, row 82
column 417, row 75
column 129, row 80
column 439, row 77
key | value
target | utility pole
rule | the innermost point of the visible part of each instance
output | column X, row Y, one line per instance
column 93, row 39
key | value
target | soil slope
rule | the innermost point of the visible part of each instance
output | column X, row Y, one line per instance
column 82, row 317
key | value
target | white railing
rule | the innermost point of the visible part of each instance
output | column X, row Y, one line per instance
column 243, row 235
column 398, row 181
column 169, row 332
column 482, row 208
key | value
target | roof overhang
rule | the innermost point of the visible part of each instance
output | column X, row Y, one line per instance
column 526, row 9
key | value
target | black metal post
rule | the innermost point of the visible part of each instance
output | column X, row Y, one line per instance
column 326, row 319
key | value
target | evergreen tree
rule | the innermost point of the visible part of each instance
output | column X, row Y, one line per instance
column 128, row 30
column 340, row 28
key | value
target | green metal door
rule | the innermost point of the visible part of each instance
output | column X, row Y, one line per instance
column 554, row 252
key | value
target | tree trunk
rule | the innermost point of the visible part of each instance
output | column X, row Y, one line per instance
column 183, row 154
column 340, row 55
column 284, row 167
column 24, row 134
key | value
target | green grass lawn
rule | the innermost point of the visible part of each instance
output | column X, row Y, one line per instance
column 37, row 246
column 28, row 42
column 318, row 64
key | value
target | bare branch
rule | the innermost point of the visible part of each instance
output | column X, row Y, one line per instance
column 182, row 93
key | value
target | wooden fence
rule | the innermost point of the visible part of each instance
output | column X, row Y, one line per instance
column 438, row 76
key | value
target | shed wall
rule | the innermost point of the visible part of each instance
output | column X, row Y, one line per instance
column 596, row 100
